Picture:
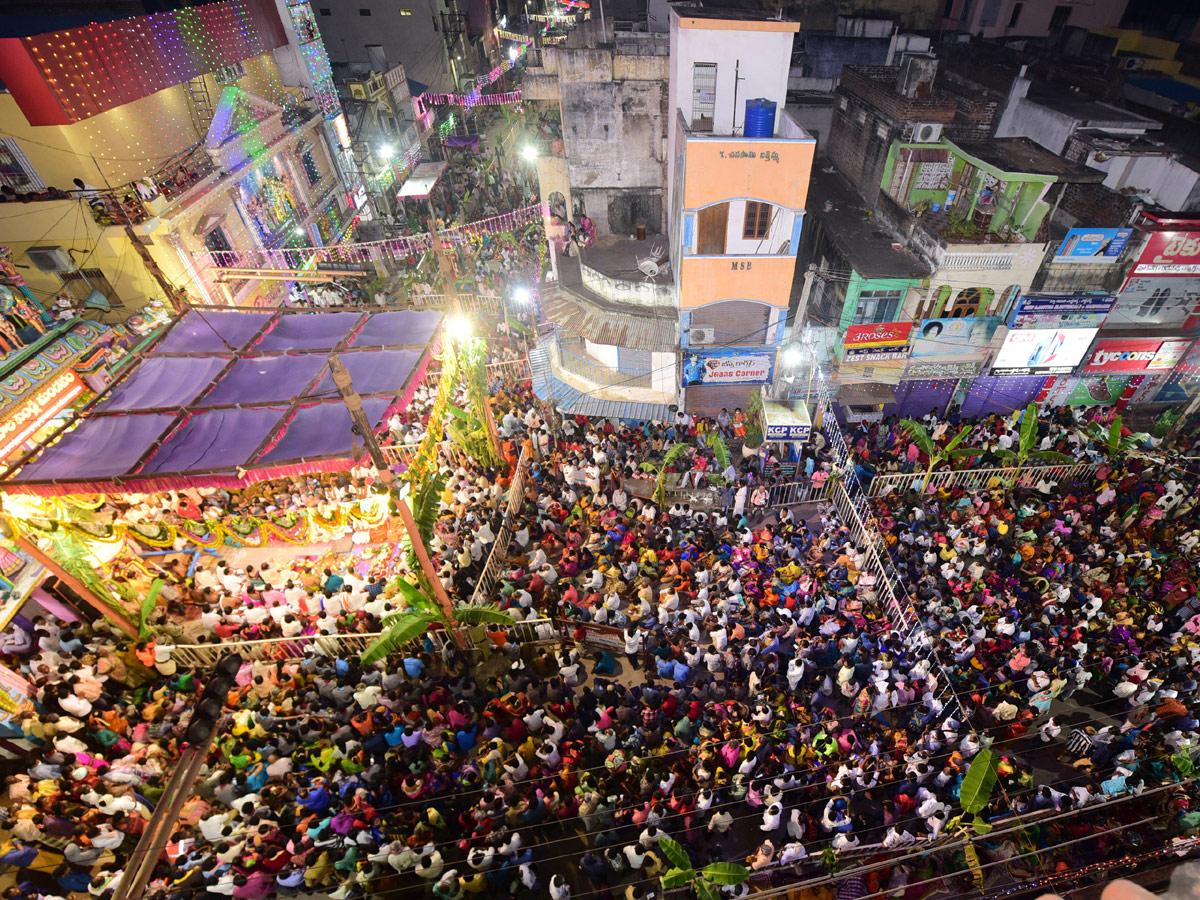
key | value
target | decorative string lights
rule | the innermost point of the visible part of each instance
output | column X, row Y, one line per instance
column 68, row 76
column 300, row 257
column 426, row 100
column 472, row 99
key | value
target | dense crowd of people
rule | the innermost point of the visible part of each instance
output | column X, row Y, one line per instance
column 729, row 677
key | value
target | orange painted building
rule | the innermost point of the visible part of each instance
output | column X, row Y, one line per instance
column 737, row 186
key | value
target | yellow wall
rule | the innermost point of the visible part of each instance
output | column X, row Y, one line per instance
column 705, row 280
column 131, row 141
column 69, row 224
column 1130, row 40
column 714, row 174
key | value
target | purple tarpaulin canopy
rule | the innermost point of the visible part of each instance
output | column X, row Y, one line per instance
column 266, row 378
column 319, row 430
column 373, row 371
column 212, row 439
column 164, row 381
column 211, row 330
column 101, row 447
column 393, row 329
column 322, row 331
column 277, row 415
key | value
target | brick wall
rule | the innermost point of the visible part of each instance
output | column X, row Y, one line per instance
column 876, row 85
column 1095, row 206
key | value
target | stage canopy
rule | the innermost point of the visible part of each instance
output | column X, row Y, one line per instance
column 226, row 398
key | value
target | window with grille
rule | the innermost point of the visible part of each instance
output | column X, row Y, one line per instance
column 216, row 242
column 704, row 95
column 16, row 170
column 875, row 307
column 312, row 171
column 758, row 220
column 80, row 285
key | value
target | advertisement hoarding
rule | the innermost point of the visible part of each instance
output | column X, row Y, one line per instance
column 1063, row 311
column 1170, row 253
column 1042, row 351
column 950, row 348
column 1098, row 245
column 1134, row 355
column 885, row 334
column 1162, row 301
column 1100, row 391
column 728, row 366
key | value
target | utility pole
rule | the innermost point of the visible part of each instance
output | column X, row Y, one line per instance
column 345, row 386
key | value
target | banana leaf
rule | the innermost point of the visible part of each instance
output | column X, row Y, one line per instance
column 482, row 614
column 977, row 785
column 725, row 873
column 673, row 879
column 673, row 851
column 720, row 451
column 409, row 626
column 920, row 436
column 148, row 607
column 706, row 891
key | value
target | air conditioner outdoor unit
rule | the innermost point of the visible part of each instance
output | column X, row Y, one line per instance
column 698, row 336
column 927, row 133
column 51, row 259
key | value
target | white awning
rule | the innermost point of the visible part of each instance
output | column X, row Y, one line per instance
column 422, row 180
column 786, row 423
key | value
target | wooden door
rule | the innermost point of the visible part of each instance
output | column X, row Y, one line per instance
column 714, row 220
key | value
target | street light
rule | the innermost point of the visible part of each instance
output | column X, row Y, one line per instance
column 529, row 152
column 458, row 327
column 513, row 54
column 387, row 151
column 521, row 295
column 793, row 355
column 298, row 231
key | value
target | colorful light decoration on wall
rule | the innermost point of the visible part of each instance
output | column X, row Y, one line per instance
column 426, row 100
column 472, row 99
column 68, row 76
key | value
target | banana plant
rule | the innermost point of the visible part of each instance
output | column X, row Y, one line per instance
column 974, row 795
column 926, row 445
column 470, row 434
column 705, row 882
column 1116, row 445
column 1025, row 444
column 420, row 612
column 716, row 443
column 424, row 500
column 660, row 471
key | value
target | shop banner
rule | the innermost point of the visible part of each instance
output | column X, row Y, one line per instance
column 951, row 348
column 1101, row 391
column 729, row 366
column 917, row 368
column 1065, row 311
column 1134, row 355
column 1097, row 245
column 871, row 355
column 887, row 334
column 1160, row 301
column 1042, row 351
column 1170, row 253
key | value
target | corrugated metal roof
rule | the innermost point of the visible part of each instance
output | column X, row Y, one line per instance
column 572, row 400
column 601, row 325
